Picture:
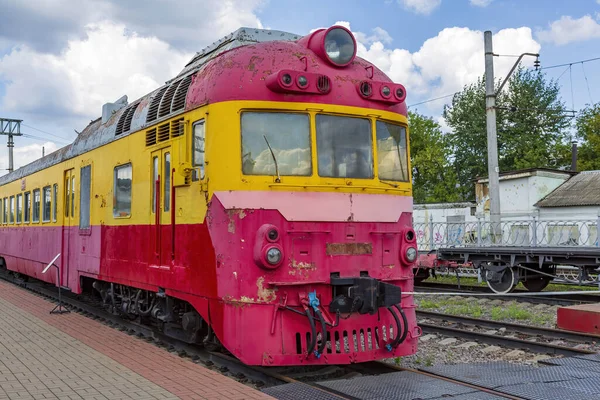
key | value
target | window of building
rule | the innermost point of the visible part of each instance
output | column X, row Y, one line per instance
column 36, row 206
column 276, row 143
column 344, row 147
column 19, row 208
column 167, row 179
column 198, row 143
column 27, row 209
column 46, row 204
column 12, row 209
column 55, row 202
column 392, row 152
column 84, row 197
column 122, row 191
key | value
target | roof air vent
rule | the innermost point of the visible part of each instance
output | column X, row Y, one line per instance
column 153, row 109
column 165, row 103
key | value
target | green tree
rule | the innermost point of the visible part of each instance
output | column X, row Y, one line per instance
column 434, row 180
column 531, row 125
column 588, row 130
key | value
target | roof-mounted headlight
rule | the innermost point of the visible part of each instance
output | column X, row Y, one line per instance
column 340, row 46
column 335, row 45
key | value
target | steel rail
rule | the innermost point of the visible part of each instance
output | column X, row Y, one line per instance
column 521, row 328
column 550, row 300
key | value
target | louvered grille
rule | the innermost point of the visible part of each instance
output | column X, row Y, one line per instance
column 323, row 84
column 121, row 122
column 163, row 132
column 129, row 117
column 151, row 137
column 181, row 94
column 177, row 128
column 153, row 109
column 165, row 103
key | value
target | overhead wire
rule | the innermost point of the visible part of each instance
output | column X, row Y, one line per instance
column 43, row 139
column 587, row 83
column 47, row 133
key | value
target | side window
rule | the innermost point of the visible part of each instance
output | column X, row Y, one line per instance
column 72, row 197
column 67, row 197
column 84, row 197
column 122, row 191
column 5, row 213
column 154, row 179
column 167, row 179
column 19, row 208
column 36, row 205
column 198, row 146
column 46, row 204
column 55, row 202
column 12, row 209
column 27, row 216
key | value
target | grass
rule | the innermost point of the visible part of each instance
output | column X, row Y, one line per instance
column 513, row 311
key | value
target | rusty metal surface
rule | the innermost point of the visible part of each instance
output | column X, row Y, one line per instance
column 582, row 189
column 352, row 249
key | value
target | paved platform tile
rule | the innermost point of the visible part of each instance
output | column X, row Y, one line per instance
column 69, row 356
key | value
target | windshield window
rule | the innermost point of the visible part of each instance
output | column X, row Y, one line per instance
column 391, row 152
column 289, row 137
column 344, row 146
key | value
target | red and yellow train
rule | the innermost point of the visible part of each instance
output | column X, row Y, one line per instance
column 260, row 201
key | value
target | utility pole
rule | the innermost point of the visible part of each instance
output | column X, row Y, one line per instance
column 11, row 128
column 492, row 137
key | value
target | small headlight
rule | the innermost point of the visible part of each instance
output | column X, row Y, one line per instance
column 411, row 254
column 339, row 46
column 273, row 235
column 286, row 79
column 302, row 81
column 273, row 256
column 400, row 93
column 385, row 91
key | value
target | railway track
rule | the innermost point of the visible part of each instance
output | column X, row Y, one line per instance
column 227, row 364
column 558, row 300
column 518, row 336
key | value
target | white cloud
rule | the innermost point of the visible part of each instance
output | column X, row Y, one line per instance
column 23, row 155
column 567, row 30
column 448, row 61
column 106, row 64
column 482, row 3
column 424, row 7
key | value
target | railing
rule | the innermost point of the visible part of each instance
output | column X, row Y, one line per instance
column 523, row 233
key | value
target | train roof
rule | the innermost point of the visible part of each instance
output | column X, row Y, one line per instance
column 121, row 118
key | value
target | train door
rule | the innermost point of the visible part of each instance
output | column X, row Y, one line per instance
column 161, row 207
column 68, row 224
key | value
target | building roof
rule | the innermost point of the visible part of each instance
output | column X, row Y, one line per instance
column 582, row 189
column 523, row 173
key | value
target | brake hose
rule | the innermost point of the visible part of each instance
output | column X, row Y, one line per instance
column 399, row 338
column 313, row 337
column 323, row 334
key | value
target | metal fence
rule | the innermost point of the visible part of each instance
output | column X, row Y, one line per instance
column 523, row 233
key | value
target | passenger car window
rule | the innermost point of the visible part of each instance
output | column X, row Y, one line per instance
column 122, row 191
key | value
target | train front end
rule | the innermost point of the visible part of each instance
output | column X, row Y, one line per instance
column 310, row 213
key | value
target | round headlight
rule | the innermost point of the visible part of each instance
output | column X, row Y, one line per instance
column 273, row 256
column 385, row 91
column 273, row 235
column 411, row 254
column 302, row 81
column 286, row 79
column 340, row 46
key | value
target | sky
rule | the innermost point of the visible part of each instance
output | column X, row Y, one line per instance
column 61, row 60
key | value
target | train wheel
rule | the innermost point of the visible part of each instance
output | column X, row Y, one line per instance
column 537, row 284
column 501, row 282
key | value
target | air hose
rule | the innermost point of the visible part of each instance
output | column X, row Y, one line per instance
column 404, row 328
column 313, row 336
column 323, row 334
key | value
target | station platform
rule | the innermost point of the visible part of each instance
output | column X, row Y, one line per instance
column 69, row 356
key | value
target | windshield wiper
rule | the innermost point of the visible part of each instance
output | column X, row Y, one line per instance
column 278, row 180
column 389, row 183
